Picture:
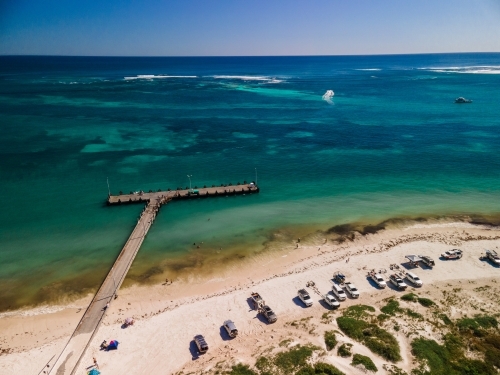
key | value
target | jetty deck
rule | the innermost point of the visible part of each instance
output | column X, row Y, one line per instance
column 69, row 359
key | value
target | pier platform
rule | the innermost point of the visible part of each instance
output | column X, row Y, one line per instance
column 141, row 196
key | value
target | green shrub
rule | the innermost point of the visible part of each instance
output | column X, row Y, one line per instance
column 287, row 362
column 240, row 369
column 410, row 297
column 330, row 340
column 426, row 302
column 448, row 359
column 445, row 319
column 344, row 350
column 477, row 324
column 293, row 359
column 320, row 369
column 358, row 311
column 368, row 364
column 435, row 355
column 486, row 321
column 375, row 338
column 391, row 308
column 413, row 314
column 382, row 317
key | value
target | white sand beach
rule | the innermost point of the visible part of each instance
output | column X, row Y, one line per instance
column 167, row 316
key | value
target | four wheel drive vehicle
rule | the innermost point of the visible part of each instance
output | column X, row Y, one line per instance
column 230, row 328
column 338, row 292
column 452, row 254
column 201, row 343
column 378, row 279
column 257, row 300
column 428, row 261
column 493, row 256
column 331, row 301
column 414, row 279
column 305, row 297
column 352, row 290
column 268, row 313
column 397, row 282
column 339, row 277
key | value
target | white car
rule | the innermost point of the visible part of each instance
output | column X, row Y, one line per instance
column 305, row 297
column 331, row 301
column 452, row 254
column 378, row 279
column 338, row 292
column 352, row 290
column 414, row 279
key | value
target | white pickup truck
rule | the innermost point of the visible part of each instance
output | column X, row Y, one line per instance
column 378, row 279
column 397, row 282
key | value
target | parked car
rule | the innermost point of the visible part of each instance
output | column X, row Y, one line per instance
column 268, row 313
column 452, row 254
column 414, row 279
column 397, row 282
column 352, row 290
column 305, row 297
column 201, row 343
column 378, row 279
column 428, row 261
column 338, row 292
column 230, row 328
column 493, row 256
column 331, row 301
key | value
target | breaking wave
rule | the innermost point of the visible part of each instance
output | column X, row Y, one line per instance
column 479, row 69
column 370, row 69
column 152, row 76
column 250, row 78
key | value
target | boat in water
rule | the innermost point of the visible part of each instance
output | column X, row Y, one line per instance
column 461, row 100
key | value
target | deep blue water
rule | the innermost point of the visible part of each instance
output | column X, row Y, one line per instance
column 390, row 142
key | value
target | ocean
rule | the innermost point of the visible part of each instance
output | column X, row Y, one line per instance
column 389, row 143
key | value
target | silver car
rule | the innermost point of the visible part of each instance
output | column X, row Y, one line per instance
column 230, row 328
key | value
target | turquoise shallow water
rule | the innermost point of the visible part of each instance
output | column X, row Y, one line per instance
column 389, row 143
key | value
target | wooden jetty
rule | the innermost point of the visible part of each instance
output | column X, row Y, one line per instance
column 69, row 359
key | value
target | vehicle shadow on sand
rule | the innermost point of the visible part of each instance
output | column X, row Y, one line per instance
column 195, row 354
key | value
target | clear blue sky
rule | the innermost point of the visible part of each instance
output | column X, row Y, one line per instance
column 247, row 27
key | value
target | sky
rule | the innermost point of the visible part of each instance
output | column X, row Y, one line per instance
column 247, row 27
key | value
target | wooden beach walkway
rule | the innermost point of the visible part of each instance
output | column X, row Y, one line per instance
column 69, row 359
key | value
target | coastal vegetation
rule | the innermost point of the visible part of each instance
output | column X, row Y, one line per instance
column 363, row 360
column 330, row 340
column 471, row 347
column 344, row 350
column 356, row 324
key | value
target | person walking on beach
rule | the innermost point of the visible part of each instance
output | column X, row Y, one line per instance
column 95, row 363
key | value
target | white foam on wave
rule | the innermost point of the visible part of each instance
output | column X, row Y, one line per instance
column 476, row 69
column 152, row 76
column 370, row 69
column 263, row 79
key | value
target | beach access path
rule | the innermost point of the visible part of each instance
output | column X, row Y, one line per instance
column 69, row 359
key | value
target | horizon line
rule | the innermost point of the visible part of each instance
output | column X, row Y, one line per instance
column 218, row 56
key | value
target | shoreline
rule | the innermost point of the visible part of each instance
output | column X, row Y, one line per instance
column 209, row 261
column 42, row 330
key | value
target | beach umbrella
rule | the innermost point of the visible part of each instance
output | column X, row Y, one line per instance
column 113, row 345
column 94, row 372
